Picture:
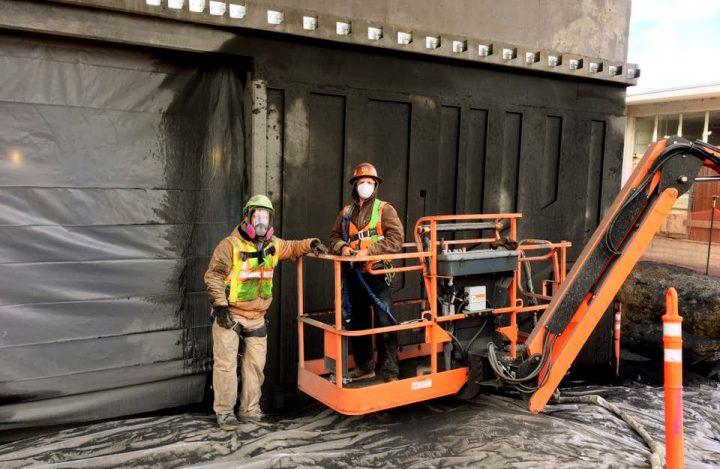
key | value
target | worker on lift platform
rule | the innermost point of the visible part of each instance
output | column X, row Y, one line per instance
column 368, row 226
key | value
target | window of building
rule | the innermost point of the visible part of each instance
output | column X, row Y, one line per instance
column 644, row 127
column 693, row 125
column 714, row 128
column 667, row 125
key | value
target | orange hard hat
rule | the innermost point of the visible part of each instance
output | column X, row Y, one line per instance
column 365, row 170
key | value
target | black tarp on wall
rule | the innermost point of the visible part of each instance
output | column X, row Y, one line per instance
column 117, row 168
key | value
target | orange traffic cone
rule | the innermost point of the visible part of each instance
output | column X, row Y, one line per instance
column 672, row 344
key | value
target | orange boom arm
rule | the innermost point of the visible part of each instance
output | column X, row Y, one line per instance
column 667, row 171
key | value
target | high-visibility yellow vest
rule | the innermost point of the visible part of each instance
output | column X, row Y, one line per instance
column 248, row 279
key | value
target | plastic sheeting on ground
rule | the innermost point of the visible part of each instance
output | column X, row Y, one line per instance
column 491, row 431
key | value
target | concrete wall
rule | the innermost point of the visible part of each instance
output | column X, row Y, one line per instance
column 596, row 28
column 591, row 31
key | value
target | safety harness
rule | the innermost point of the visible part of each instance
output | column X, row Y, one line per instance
column 244, row 334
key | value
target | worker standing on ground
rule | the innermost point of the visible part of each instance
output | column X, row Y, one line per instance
column 239, row 280
column 368, row 226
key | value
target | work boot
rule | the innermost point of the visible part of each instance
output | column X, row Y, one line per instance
column 257, row 417
column 389, row 369
column 360, row 373
column 228, row 422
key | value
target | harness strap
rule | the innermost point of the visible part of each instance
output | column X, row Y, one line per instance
column 366, row 234
column 259, row 332
column 267, row 252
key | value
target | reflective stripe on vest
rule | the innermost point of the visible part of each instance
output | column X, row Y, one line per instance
column 255, row 274
column 371, row 233
column 247, row 279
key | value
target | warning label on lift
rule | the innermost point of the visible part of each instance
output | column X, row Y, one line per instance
column 423, row 384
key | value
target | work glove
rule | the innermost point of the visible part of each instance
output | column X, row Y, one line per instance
column 222, row 316
column 318, row 247
column 507, row 243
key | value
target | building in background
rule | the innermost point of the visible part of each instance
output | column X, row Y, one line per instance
column 693, row 113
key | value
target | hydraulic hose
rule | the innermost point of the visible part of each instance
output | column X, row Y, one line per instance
column 656, row 449
column 528, row 269
column 378, row 302
column 501, row 372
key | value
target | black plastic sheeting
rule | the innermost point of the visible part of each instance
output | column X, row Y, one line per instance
column 117, row 172
column 491, row 431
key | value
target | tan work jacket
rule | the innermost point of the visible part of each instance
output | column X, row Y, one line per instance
column 221, row 264
column 392, row 227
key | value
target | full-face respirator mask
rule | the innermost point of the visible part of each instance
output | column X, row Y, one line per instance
column 258, row 224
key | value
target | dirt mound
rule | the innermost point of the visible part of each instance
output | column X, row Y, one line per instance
column 643, row 295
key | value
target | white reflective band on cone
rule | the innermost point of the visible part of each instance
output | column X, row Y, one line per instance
column 617, row 316
column 673, row 355
column 617, row 327
column 672, row 329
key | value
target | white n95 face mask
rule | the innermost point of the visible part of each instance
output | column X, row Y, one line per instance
column 365, row 190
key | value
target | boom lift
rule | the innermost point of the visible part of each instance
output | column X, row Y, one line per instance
column 478, row 318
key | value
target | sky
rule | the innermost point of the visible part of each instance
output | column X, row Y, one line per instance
column 675, row 42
